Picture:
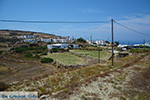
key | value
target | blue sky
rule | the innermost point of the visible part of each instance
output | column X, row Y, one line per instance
column 132, row 13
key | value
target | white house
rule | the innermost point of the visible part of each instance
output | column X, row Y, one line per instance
column 46, row 40
column 146, row 44
column 89, row 41
column 100, row 42
column 30, row 40
column 64, row 46
column 75, row 46
column 54, row 40
column 122, row 46
column 26, row 37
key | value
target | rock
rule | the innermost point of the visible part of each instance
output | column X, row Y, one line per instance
column 44, row 96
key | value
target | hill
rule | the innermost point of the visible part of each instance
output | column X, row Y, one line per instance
column 10, row 37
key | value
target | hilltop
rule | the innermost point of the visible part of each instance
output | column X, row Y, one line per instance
column 14, row 33
column 11, row 37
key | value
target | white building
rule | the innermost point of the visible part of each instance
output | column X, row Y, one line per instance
column 122, row 46
column 146, row 44
column 100, row 42
column 26, row 37
column 46, row 40
column 64, row 46
column 75, row 46
column 89, row 41
column 54, row 40
column 30, row 40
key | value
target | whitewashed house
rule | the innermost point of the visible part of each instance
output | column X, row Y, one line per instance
column 26, row 37
column 30, row 40
column 54, row 40
column 100, row 42
column 122, row 46
column 46, row 40
column 75, row 46
column 63, row 46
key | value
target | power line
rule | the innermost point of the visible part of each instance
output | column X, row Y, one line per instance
column 20, row 21
column 132, row 29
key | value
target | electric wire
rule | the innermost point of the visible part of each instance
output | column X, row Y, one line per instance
column 20, row 21
column 131, row 29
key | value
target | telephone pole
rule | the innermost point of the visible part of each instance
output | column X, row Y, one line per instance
column 99, row 54
column 112, row 42
column 144, row 41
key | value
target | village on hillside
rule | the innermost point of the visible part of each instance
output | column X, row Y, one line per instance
column 74, row 49
column 63, row 67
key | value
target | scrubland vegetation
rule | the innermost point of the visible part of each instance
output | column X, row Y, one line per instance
column 33, row 69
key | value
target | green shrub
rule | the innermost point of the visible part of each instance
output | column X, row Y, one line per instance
column 20, row 50
column 36, row 56
column 58, row 66
column 46, row 60
column 67, row 50
column 66, row 90
column 140, row 50
column 38, row 49
column 55, row 49
column 1, row 52
column 3, row 86
column 28, row 55
column 54, row 62
column 81, row 40
column 44, row 53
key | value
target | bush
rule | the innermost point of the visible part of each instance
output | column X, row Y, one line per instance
column 3, row 86
column 46, row 60
column 58, row 66
column 44, row 53
column 140, row 50
column 1, row 52
column 53, row 63
column 36, row 56
column 66, row 90
column 81, row 40
column 55, row 49
column 28, row 55
column 20, row 50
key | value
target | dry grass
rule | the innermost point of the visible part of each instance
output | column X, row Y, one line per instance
column 66, row 58
column 72, row 78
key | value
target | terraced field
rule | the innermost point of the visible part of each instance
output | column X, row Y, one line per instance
column 66, row 58
column 103, row 54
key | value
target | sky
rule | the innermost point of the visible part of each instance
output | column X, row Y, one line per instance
column 132, row 13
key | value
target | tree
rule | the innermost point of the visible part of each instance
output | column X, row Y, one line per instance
column 46, row 60
column 28, row 55
column 117, row 43
column 81, row 40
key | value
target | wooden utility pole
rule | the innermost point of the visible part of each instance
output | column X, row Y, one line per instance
column 144, row 43
column 99, row 54
column 112, row 42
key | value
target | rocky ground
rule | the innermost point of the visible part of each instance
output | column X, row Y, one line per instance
column 129, row 83
column 128, row 79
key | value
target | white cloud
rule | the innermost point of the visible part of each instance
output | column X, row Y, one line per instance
column 90, row 10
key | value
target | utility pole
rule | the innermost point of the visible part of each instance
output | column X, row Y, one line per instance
column 112, row 42
column 144, row 43
column 99, row 54
column 91, row 38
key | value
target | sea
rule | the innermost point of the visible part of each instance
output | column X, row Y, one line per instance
column 132, row 42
